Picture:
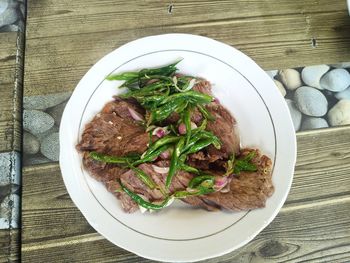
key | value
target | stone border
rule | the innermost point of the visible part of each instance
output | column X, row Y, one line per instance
column 10, row 181
column 12, row 13
column 317, row 96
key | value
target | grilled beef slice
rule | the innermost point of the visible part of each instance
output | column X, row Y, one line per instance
column 114, row 132
column 248, row 190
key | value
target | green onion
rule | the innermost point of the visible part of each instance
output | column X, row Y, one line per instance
column 149, row 157
column 144, row 177
column 187, row 121
column 112, row 159
column 206, row 114
column 197, row 180
column 174, row 160
column 245, row 164
column 140, row 201
column 163, row 141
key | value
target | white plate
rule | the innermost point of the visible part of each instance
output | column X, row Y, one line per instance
column 179, row 232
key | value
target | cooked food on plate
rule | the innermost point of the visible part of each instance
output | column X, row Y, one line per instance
column 167, row 137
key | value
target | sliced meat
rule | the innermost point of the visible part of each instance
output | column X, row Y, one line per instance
column 248, row 190
column 184, row 178
column 127, row 203
column 200, row 202
column 199, row 160
column 111, row 125
column 114, row 134
column 121, row 108
column 224, row 127
column 180, row 182
column 101, row 129
column 203, row 86
column 131, row 181
column 101, row 171
column 124, row 144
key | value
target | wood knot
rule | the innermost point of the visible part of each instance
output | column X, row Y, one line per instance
column 290, row 51
column 170, row 9
column 272, row 248
column 313, row 42
column 336, row 154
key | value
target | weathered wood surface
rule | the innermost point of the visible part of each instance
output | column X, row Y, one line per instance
column 9, row 245
column 314, row 224
column 10, row 92
column 65, row 38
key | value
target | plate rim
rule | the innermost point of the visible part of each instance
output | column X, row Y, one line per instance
column 170, row 37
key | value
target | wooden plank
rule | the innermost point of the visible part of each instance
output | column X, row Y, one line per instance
column 295, row 235
column 52, row 18
column 10, row 92
column 56, row 59
column 313, row 223
column 323, row 165
column 9, row 245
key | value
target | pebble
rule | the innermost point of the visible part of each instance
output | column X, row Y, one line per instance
column 3, row 6
column 35, row 121
column 295, row 114
column 36, row 159
column 9, row 211
column 343, row 95
column 312, row 75
column 41, row 102
column 340, row 113
column 5, row 213
column 15, row 210
column 311, row 101
column 41, row 136
column 9, row 15
column 10, row 168
column 310, row 123
column 31, row 144
column 9, row 28
column 280, row 87
column 336, row 80
column 56, row 112
column 272, row 73
column 4, row 191
column 50, row 147
column 341, row 65
column 290, row 78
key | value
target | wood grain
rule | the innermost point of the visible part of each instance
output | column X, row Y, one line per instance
column 9, row 245
column 314, row 224
column 66, row 38
column 49, row 18
column 10, row 92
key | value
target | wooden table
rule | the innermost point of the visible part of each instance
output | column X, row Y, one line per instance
column 65, row 38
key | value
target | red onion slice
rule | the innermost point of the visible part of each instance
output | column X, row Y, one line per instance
column 165, row 155
column 193, row 125
column 220, row 182
column 160, row 170
column 160, row 131
column 225, row 189
column 182, row 128
column 216, row 100
column 135, row 115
